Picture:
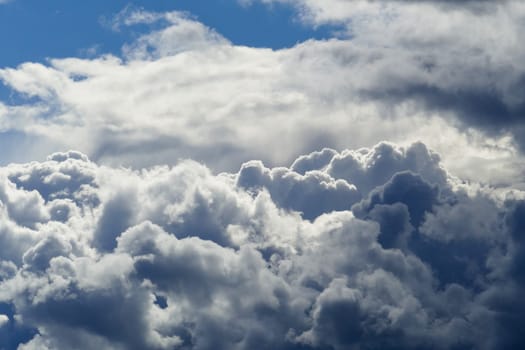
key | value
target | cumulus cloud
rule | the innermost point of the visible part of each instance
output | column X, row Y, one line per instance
column 310, row 245
column 184, row 91
column 298, row 257
column 293, row 227
column 313, row 194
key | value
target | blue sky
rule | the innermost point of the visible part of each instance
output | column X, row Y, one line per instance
column 33, row 30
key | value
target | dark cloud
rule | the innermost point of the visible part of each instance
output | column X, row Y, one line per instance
column 481, row 107
column 407, row 188
column 394, row 221
column 264, row 258
column 313, row 193
column 371, row 248
column 117, row 216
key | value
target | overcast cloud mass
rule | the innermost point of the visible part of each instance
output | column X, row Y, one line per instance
column 360, row 192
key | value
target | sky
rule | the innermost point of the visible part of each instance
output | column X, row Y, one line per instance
column 262, row 174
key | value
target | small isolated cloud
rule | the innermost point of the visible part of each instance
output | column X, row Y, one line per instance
column 3, row 320
column 368, row 248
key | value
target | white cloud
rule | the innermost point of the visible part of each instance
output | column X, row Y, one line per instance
column 186, row 92
column 182, row 33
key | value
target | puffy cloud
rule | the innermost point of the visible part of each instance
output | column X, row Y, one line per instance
column 377, row 247
column 467, row 217
column 180, row 257
column 184, row 91
column 313, row 193
column 369, row 168
column 379, row 313
column 406, row 188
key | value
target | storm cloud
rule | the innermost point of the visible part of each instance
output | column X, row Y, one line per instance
column 196, row 260
column 360, row 192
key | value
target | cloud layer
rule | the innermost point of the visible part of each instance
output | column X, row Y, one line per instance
column 360, row 249
column 292, row 225
column 396, row 71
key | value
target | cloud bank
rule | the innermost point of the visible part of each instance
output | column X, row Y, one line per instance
column 360, row 249
column 396, row 71
column 291, row 225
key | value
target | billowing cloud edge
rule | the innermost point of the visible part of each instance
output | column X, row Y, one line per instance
column 367, row 248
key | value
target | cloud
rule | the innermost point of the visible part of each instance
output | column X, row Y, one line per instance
column 184, row 91
column 343, row 11
column 182, row 33
column 445, row 58
column 3, row 320
column 292, row 224
column 197, row 260
column 312, row 194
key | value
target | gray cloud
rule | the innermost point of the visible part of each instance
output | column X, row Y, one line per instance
column 437, row 55
column 364, row 248
column 312, row 194
column 182, row 258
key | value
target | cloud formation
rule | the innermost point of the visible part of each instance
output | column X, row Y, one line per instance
column 359, row 249
column 444, row 55
column 291, row 224
column 184, row 91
